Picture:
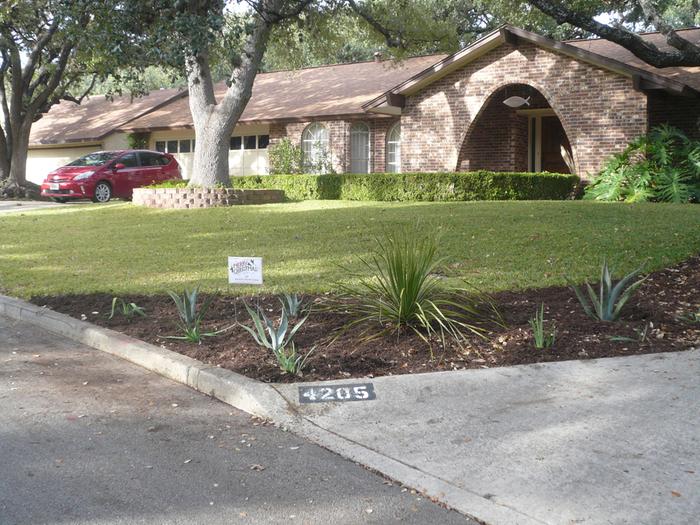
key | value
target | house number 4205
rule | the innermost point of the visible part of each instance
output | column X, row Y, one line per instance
column 324, row 394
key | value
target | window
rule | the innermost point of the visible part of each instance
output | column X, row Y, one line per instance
column 175, row 146
column 359, row 148
column 151, row 159
column 236, row 143
column 314, row 145
column 130, row 160
column 263, row 141
column 250, row 142
column 393, row 149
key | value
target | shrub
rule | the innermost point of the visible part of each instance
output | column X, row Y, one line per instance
column 285, row 157
column 663, row 165
column 452, row 186
column 405, row 291
column 607, row 305
column 138, row 140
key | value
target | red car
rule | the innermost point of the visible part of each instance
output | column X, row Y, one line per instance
column 105, row 174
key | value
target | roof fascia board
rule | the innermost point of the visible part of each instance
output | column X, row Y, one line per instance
column 70, row 143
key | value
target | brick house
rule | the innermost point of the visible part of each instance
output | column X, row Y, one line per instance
column 570, row 106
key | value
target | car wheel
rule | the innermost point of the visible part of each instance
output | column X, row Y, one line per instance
column 103, row 192
column 60, row 200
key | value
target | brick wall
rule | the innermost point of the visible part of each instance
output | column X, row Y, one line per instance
column 203, row 197
column 339, row 139
column 681, row 112
column 599, row 110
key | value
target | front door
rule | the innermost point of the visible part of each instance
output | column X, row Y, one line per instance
column 553, row 139
column 547, row 144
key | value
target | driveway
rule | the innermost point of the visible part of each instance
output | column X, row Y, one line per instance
column 599, row 442
column 9, row 206
column 88, row 438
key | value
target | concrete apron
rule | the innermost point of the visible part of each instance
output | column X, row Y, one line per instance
column 607, row 441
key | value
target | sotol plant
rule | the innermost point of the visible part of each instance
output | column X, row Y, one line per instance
column 608, row 303
column 405, row 291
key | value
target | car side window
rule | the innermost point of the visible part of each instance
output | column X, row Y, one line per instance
column 130, row 160
column 150, row 159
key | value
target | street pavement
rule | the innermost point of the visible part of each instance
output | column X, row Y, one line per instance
column 87, row 438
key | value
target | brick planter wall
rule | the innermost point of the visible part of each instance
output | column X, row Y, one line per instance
column 203, row 197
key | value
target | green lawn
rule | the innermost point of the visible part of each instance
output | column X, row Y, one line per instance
column 123, row 249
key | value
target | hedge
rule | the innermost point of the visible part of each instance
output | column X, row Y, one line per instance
column 480, row 185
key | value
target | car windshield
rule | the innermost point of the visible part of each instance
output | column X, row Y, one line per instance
column 94, row 159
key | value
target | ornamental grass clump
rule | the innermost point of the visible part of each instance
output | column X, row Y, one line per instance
column 608, row 303
column 404, row 291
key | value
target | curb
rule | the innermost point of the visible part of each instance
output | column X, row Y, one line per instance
column 262, row 400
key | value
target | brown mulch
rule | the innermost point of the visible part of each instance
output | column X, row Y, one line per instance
column 657, row 319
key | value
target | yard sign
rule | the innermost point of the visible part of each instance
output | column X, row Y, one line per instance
column 245, row 270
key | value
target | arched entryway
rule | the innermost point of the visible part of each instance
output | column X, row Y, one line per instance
column 516, row 130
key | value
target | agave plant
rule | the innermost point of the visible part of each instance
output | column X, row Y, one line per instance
column 278, row 338
column 608, row 304
column 292, row 304
column 404, row 290
column 191, row 316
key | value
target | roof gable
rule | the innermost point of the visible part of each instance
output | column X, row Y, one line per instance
column 608, row 56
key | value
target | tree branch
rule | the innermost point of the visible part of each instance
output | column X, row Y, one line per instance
column 684, row 54
column 391, row 40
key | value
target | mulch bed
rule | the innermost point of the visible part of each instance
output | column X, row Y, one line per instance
column 657, row 319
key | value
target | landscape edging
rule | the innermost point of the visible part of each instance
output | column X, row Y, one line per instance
column 259, row 399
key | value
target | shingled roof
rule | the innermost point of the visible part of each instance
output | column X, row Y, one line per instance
column 95, row 118
column 689, row 76
column 301, row 94
column 339, row 90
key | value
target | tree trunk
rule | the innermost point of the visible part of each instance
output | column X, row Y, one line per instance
column 210, row 167
column 18, row 159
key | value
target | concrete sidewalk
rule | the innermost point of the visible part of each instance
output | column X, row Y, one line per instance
column 612, row 441
column 88, row 438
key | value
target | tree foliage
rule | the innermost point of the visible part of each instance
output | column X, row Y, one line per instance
column 48, row 48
